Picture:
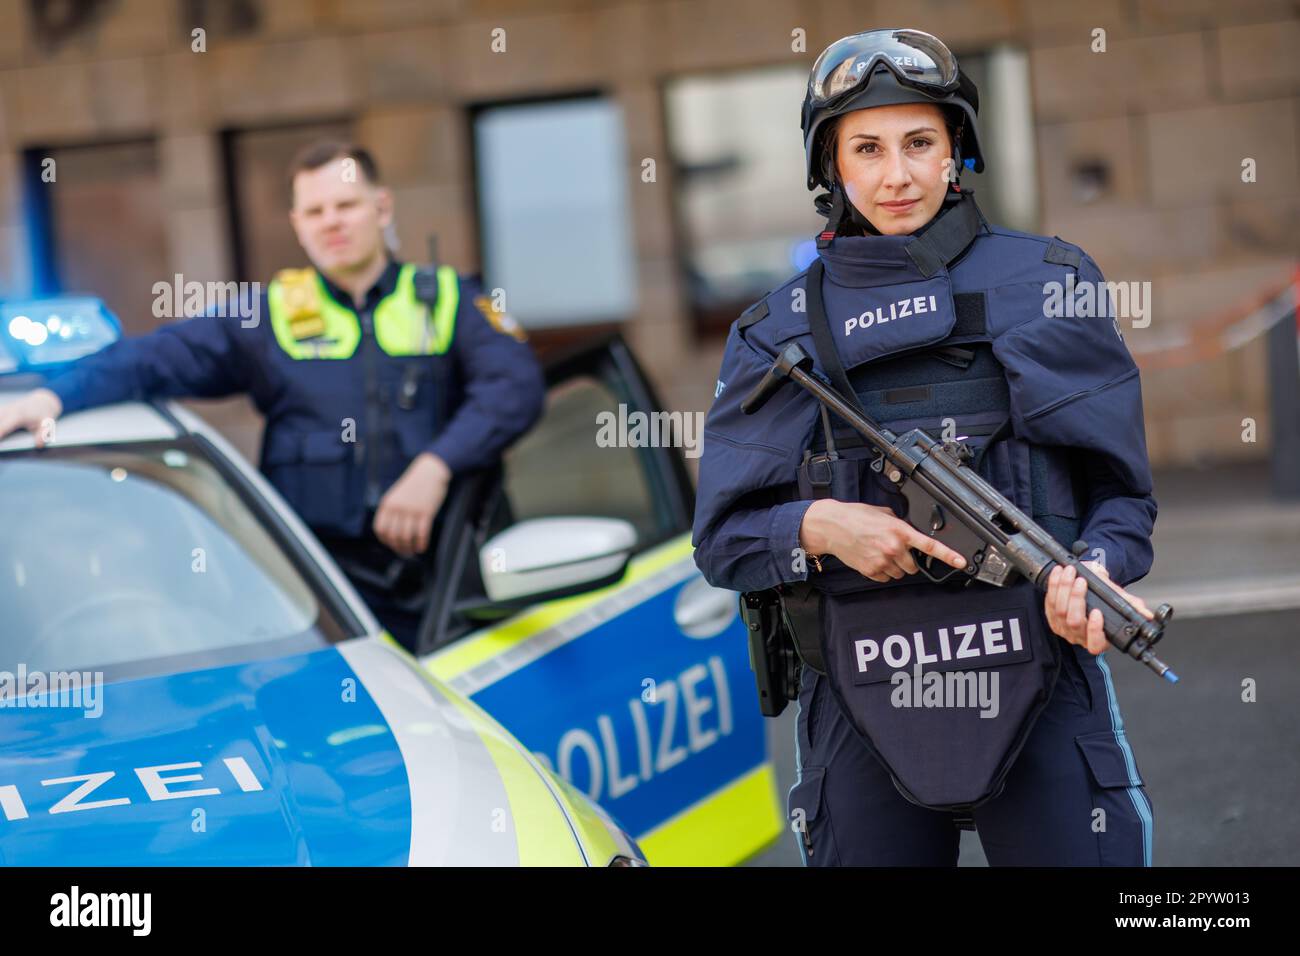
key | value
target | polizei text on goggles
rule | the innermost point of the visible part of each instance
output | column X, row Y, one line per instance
column 918, row 59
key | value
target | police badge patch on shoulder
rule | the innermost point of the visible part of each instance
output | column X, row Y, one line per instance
column 503, row 322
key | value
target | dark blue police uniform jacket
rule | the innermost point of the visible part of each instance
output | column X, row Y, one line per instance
column 464, row 406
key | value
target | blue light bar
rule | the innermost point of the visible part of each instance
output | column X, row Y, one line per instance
column 803, row 253
column 40, row 334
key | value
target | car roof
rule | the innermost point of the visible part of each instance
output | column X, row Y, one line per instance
column 128, row 422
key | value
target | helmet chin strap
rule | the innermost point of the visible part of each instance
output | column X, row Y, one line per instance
column 855, row 216
column 954, row 187
column 835, row 206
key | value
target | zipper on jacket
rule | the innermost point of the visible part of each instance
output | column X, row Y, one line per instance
column 373, row 438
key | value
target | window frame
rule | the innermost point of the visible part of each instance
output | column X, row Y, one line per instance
column 40, row 216
column 551, row 335
column 228, row 140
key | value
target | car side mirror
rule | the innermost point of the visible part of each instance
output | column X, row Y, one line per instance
column 541, row 559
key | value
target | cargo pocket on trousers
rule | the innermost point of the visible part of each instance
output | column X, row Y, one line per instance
column 1126, row 839
column 809, row 820
column 1104, row 752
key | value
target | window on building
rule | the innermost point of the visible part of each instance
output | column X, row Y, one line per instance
column 256, row 163
column 738, row 173
column 1007, row 190
column 101, row 213
column 554, row 218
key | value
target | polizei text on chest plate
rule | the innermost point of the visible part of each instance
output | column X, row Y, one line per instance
column 902, row 309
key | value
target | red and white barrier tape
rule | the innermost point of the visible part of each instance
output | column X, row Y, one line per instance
column 1221, row 334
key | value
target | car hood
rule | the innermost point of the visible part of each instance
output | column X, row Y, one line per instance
column 346, row 755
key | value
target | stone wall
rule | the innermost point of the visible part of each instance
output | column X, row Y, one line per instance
column 1184, row 91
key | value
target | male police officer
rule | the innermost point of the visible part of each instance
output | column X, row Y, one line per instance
column 379, row 382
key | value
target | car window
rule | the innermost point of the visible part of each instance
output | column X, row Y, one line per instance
column 602, row 448
column 559, row 468
column 141, row 559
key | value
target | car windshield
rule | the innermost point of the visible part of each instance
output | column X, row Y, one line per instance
column 139, row 559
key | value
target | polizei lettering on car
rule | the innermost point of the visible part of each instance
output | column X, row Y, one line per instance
column 152, row 781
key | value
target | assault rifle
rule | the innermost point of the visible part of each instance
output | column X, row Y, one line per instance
column 949, row 501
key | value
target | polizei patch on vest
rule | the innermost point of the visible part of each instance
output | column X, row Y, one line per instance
column 870, row 323
column 989, row 639
column 900, row 309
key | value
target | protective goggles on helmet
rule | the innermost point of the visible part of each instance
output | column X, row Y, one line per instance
column 917, row 59
column 880, row 68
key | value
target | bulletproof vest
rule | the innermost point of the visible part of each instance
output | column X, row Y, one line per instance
column 943, row 682
column 954, row 389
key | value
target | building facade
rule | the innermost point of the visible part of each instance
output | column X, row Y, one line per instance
column 660, row 124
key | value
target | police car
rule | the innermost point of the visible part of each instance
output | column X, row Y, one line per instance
column 187, row 678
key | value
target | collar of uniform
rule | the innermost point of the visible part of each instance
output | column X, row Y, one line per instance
column 383, row 287
column 855, row 261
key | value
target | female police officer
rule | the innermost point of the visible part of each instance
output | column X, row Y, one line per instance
column 935, row 319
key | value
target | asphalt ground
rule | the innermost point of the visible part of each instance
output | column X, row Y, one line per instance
column 1223, row 774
